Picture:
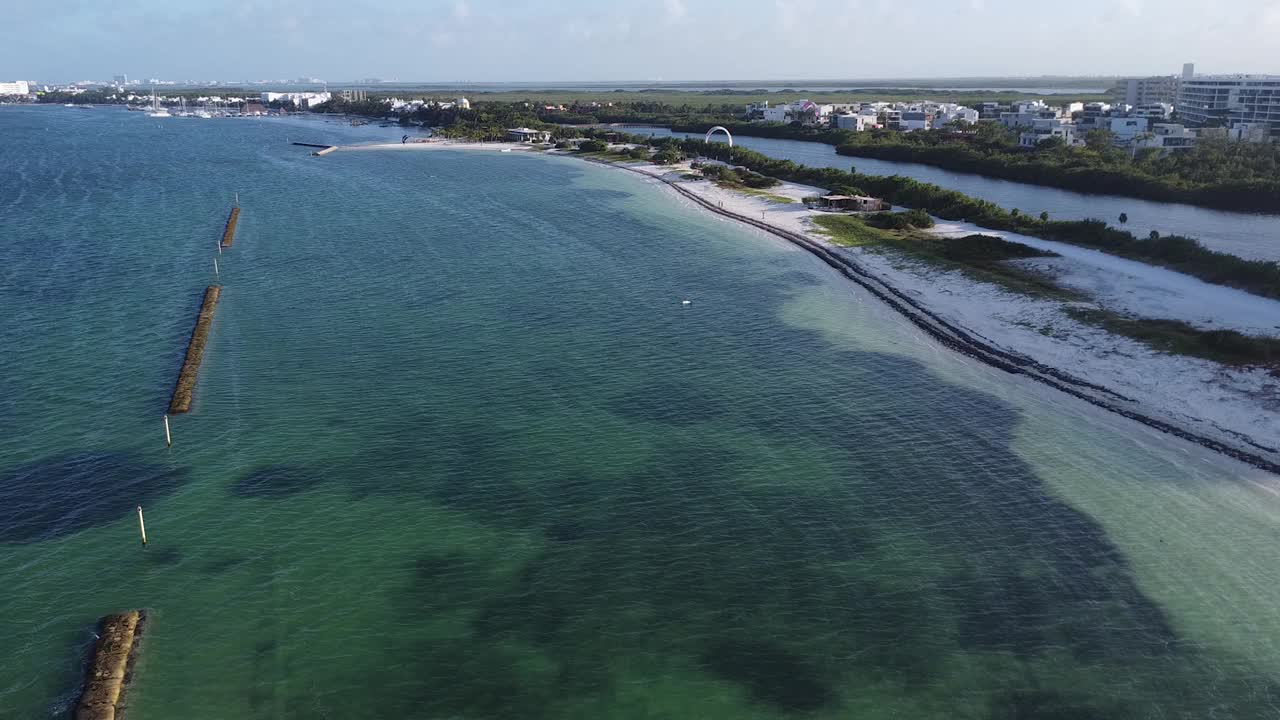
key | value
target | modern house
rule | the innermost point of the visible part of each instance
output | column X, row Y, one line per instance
column 1044, row 128
column 914, row 120
column 849, row 121
column 1124, row 130
column 1152, row 111
column 1167, row 138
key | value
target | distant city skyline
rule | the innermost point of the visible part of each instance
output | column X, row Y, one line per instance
column 457, row 41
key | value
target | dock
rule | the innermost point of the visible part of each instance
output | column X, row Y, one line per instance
column 111, row 666
column 182, row 390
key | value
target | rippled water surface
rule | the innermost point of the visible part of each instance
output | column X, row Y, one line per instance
column 457, row 450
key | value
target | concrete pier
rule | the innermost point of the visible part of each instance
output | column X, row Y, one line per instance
column 110, row 666
column 181, row 400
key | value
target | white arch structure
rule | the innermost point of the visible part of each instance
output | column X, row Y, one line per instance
column 722, row 129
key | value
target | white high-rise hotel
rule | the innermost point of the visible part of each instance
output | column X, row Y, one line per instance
column 14, row 88
column 1229, row 101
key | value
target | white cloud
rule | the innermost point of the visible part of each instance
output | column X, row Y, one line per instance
column 675, row 10
column 461, row 10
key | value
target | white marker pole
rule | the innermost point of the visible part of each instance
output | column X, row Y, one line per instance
column 168, row 441
column 142, row 526
column 215, row 267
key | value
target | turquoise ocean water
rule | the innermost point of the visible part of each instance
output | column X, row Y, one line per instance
column 457, row 450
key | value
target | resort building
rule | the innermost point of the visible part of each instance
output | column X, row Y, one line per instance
column 18, row 87
column 355, row 95
column 1230, row 100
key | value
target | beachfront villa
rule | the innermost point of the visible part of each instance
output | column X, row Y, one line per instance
column 529, row 135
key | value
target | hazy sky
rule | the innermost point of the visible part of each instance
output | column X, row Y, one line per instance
column 531, row 40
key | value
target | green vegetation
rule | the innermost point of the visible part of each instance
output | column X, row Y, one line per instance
column 735, row 177
column 1172, row 336
column 900, row 221
column 978, row 256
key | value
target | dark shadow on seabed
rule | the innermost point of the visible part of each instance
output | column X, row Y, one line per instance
column 914, row 552
column 69, row 493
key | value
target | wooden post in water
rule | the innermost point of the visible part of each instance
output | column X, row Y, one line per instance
column 168, row 441
column 142, row 526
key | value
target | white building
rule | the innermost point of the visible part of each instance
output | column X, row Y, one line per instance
column 1147, row 90
column 1125, row 130
column 805, row 111
column 1230, row 100
column 462, row 103
column 914, row 120
column 1025, row 114
column 1167, row 137
column 529, row 135
column 18, row 87
column 849, row 121
column 778, row 114
column 951, row 112
column 301, row 99
column 1152, row 111
column 1044, row 128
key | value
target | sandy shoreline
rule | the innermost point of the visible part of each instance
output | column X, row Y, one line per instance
column 1233, row 410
